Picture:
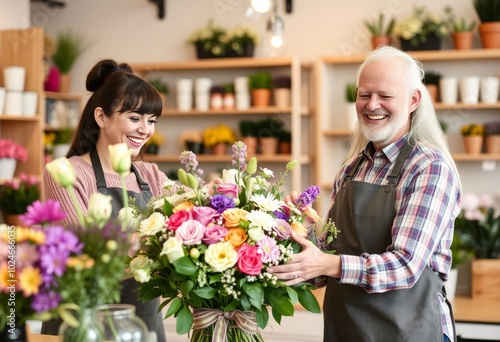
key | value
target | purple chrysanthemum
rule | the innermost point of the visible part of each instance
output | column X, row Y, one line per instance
column 43, row 213
column 63, row 239
column 53, row 260
column 309, row 195
column 221, row 203
column 281, row 215
column 45, row 301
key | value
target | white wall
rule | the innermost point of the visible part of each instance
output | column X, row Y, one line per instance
column 14, row 14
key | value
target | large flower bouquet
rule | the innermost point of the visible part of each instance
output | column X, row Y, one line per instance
column 207, row 251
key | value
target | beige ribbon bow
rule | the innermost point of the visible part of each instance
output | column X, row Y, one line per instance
column 245, row 320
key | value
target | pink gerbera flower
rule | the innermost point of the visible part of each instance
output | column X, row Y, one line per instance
column 269, row 250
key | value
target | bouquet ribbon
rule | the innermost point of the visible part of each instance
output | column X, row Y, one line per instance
column 245, row 320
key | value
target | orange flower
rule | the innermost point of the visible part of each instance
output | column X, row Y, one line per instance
column 233, row 216
column 183, row 206
column 237, row 236
column 299, row 229
column 4, row 277
column 30, row 280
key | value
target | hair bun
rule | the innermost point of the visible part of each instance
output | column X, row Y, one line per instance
column 99, row 72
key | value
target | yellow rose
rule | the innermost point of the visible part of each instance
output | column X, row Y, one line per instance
column 299, row 229
column 99, row 210
column 183, row 206
column 62, row 171
column 152, row 225
column 172, row 248
column 121, row 160
column 232, row 217
column 236, row 236
column 221, row 256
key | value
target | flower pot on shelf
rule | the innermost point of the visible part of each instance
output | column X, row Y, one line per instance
column 219, row 149
column 433, row 91
column 252, row 144
column 261, row 97
column 282, row 97
column 473, row 144
column 65, row 83
column 433, row 42
column 268, row 145
column 462, row 40
column 492, row 144
column 380, row 40
column 7, row 168
column 152, row 149
column 195, row 147
column 489, row 33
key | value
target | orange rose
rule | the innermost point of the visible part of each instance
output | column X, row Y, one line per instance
column 183, row 206
column 237, row 237
column 232, row 217
column 299, row 229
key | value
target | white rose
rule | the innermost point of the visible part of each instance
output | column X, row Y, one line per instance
column 256, row 234
column 120, row 157
column 221, row 256
column 99, row 210
column 127, row 214
column 142, row 276
column 229, row 176
column 152, row 225
column 140, row 262
column 173, row 249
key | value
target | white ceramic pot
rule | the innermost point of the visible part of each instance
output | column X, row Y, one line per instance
column 2, row 100
column 7, row 168
column 184, row 102
column 60, row 150
column 202, row 86
column 184, row 86
column 448, row 87
column 30, row 100
column 488, row 89
column 242, row 100
column 202, row 102
column 14, row 102
column 14, row 77
column 241, row 84
column 469, row 90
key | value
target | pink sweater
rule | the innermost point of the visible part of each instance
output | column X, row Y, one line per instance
column 85, row 185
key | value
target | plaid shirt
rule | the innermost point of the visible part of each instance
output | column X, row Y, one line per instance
column 427, row 203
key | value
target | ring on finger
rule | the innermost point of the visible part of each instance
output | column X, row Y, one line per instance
column 295, row 276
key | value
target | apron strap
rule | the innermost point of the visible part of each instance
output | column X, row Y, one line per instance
column 353, row 170
column 393, row 178
column 99, row 173
column 144, row 185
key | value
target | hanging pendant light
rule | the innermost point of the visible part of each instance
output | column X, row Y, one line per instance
column 274, row 42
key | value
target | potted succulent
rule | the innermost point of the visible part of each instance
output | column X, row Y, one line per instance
column 282, row 85
column 463, row 33
column 69, row 47
column 473, row 138
column 248, row 132
column 260, row 84
column 192, row 140
column 380, row 35
column 492, row 137
column 228, row 100
column 268, row 130
column 431, row 81
column 162, row 88
column 154, row 143
column 488, row 12
column 350, row 106
column 284, row 141
column 218, row 137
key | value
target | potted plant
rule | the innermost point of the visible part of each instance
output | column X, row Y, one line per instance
column 218, row 137
column 473, row 138
column 192, row 140
column 228, row 100
column 154, row 143
column 350, row 106
column 267, row 134
column 69, row 47
column 241, row 41
column 380, row 35
column 492, row 137
column 162, row 88
column 422, row 31
column 284, row 142
column 16, row 195
column 10, row 153
column 260, row 84
column 462, row 33
column 248, row 132
column 62, row 142
column 431, row 81
column 216, row 97
column 207, row 41
column 488, row 12
column 282, row 85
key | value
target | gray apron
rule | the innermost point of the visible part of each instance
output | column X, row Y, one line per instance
column 365, row 213
column 147, row 311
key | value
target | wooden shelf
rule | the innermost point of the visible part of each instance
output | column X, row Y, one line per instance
column 210, row 158
column 63, row 96
column 337, row 133
column 475, row 157
column 462, row 106
column 232, row 112
column 476, row 311
column 20, row 118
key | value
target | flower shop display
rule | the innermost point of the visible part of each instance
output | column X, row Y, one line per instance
column 473, row 135
column 260, row 84
column 423, row 30
column 267, row 132
column 206, row 251
column 248, row 133
column 214, row 41
column 381, row 34
column 218, row 137
column 17, row 194
column 282, row 91
column 192, row 140
column 469, row 90
column 492, row 137
column 10, row 153
column 488, row 12
column 154, row 143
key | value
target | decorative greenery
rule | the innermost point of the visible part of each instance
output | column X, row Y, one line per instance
column 17, row 194
column 282, row 82
column 487, row 10
column 376, row 26
column 260, row 80
column 69, row 46
column 432, row 77
column 284, row 136
column 473, row 129
column 269, row 127
column 492, row 128
column 417, row 28
column 63, row 136
column 351, row 92
column 159, row 85
column 462, row 25
column 228, row 88
column 248, row 128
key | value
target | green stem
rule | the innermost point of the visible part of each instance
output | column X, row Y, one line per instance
column 75, row 203
column 125, row 198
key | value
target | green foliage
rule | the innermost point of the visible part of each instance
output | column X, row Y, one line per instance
column 487, row 10
column 444, row 125
column 248, row 128
column 376, row 26
column 462, row 25
column 351, row 92
column 269, row 127
column 69, row 46
column 228, row 88
column 260, row 80
column 17, row 195
column 432, row 77
column 64, row 136
column 159, row 85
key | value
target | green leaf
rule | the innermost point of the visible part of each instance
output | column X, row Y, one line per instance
column 255, row 294
column 186, row 286
column 277, row 316
column 151, row 294
column 205, row 292
column 262, row 318
column 308, row 300
column 168, row 208
column 184, row 320
column 175, row 305
column 292, row 294
column 281, row 303
column 245, row 302
column 185, row 266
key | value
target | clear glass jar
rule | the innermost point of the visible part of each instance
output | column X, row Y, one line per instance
column 89, row 328
column 121, row 323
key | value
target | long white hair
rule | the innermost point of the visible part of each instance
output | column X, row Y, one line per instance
column 424, row 127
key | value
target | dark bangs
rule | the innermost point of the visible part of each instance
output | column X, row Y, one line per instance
column 140, row 97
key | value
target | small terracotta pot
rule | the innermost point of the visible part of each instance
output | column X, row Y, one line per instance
column 433, row 91
column 380, row 40
column 268, row 145
column 219, row 149
column 473, row 144
column 251, row 143
column 490, row 35
column 462, row 40
column 261, row 97
column 65, row 83
column 492, row 144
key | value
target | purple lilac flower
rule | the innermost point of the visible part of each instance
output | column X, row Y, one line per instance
column 282, row 229
column 45, row 301
column 268, row 249
column 281, row 215
column 43, row 213
column 221, row 203
column 239, row 155
column 188, row 159
column 309, row 195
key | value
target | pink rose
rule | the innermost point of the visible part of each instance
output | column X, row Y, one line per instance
column 249, row 261
column 190, row 232
column 178, row 218
column 214, row 234
column 204, row 215
column 230, row 190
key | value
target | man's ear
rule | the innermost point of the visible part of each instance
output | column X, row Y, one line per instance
column 100, row 117
column 415, row 100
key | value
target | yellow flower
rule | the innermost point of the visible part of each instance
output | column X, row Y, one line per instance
column 62, row 171
column 183, row 206
column 4, row 277
column 121, row 160
column 30, row 280
column 473, row 129
column 221, row 256
column 218, row 134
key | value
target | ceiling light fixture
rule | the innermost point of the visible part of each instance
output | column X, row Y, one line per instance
column 274, row 42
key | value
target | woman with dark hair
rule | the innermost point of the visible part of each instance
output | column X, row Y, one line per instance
column 123, row 108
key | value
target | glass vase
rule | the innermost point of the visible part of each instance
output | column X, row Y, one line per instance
column 121, row 323
column 88, row 330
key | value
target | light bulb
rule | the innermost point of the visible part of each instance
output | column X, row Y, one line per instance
column 261, row 6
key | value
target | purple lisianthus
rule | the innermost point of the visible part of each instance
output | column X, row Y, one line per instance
column 281, row 215
column 43, row 213
column 283, row 230
column 45, row 301
column 308, row 196
column 221, row 203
